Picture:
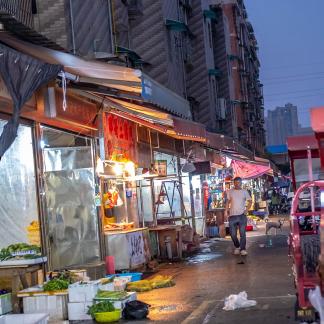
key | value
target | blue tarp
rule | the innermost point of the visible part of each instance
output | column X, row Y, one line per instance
column 277, row 149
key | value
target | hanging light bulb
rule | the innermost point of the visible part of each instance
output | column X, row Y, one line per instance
column 118, row 169
column 100, row 166
column 130, row 168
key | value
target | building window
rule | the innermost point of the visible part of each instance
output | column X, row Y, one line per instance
column 210, row 36
column 34, row 7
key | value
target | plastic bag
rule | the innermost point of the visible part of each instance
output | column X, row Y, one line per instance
column 238, row 301
column 135, row 310
column 316, row 299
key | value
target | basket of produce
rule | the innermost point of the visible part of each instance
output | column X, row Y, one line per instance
column 104, row 312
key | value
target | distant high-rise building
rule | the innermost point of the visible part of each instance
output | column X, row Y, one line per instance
column 283, row 122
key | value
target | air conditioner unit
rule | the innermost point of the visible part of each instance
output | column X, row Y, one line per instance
column 222, row 108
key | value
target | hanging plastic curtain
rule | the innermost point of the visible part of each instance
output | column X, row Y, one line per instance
column 22, row 75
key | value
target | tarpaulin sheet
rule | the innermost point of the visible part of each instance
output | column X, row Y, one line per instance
column 248, row 170
column 18, row 204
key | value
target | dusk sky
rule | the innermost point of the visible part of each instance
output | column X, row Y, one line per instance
column 290, row 34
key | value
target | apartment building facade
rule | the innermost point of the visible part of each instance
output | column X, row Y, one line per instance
column 203, row 50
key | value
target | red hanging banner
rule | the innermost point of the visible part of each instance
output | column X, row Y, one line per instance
column 119, row 136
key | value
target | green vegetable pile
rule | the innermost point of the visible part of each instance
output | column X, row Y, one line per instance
column 61, row 282
column 113, row 295
column 101, row 307
column 154, row 283
column 56, row 284
column 7, row 253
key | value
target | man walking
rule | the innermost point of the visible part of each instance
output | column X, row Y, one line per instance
column 237, row 206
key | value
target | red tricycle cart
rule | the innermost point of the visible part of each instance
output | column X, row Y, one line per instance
column 306, row 238
column 305, row 244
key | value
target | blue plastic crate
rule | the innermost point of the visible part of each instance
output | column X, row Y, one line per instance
column 136, row 276
column 212, row 231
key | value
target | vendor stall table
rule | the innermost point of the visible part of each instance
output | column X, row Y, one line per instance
column 172, row 231
column 18, row 276
column 128, row 247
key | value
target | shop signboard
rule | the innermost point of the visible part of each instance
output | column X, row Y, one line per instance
column 119, row 138
column 136, row 248
column 77, row 110
column 161, row 167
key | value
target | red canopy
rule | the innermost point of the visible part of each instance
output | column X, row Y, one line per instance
column 248, row 171
column 317, row 119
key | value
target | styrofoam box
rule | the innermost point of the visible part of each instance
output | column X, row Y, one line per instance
column 54, row 305
column 24, row 319
column 81, row 293
column 78, row 311
column 107, row 287
column 5, row 304
column 120, row 304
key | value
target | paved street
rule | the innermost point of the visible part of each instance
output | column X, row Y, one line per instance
column 205, row 280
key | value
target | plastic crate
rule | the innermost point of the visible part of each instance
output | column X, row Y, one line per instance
column 212, row 231
column 5, row 304
column 24, row 319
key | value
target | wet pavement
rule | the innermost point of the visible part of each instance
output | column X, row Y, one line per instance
column 203, row 282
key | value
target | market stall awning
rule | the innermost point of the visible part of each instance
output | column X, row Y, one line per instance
column 110, row 75
column 157, row 94
column 188, row 130
column 301, row 143
column 142, row 112
column 249, row 171
column 298, row 145
column 104, row 77
column 140, row 121
column 228, row 146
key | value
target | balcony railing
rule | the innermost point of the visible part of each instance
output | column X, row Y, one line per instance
column 20, row 9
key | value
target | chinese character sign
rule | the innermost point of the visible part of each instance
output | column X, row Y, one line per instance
column 119, row 138
column 136, row 248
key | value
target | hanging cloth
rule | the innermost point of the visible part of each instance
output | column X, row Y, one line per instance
column 22, row 75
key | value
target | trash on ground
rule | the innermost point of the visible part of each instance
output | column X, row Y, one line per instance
column 238, row 301
column 206, row 250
